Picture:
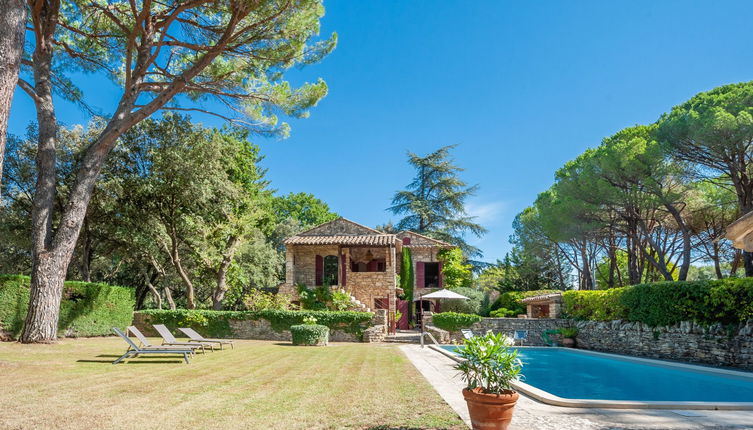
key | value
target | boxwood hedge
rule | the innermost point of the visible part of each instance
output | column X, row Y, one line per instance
column 87, row 309
column 725, row 301
column 452, row 321
column 310, row 334
column 216, row 323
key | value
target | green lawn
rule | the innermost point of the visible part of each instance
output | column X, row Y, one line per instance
column 258, row 385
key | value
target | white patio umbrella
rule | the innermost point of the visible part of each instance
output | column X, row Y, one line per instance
column 444, row 294
column 441, row 294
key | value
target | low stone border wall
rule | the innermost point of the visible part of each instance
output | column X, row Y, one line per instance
column 535, row 327
column 262, row 329
column 687, row 341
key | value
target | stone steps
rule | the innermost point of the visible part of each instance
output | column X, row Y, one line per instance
column 403, row 338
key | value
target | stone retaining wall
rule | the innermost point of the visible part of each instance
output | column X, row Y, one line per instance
column 686, row 341
column 535, row 327
column 715, row 345
column 262, row 329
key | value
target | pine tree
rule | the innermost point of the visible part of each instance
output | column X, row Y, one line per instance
column 434, row 202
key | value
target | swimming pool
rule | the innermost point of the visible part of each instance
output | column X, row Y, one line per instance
column 567, row 374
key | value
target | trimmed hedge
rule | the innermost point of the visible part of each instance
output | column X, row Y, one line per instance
column 725, row 301
column 511, row 302
column 87, row 309
column 216, row 323
column 453, row 321
column 310, row 334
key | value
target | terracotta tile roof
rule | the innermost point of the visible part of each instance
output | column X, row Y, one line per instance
column 364, row 239
column 431, row 242
column 542, row 298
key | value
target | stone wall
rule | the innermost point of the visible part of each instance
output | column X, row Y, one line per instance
column 535, row 327
column 364, row 286
column 262, row 329
column 686, row 341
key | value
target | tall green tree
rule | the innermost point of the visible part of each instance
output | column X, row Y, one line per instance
column 199, row 192
column 434, row 202
column 12, row 29
column 232, row 51
column 713, row 133
column 407, row 278
column 457, row 273
column 296, row 212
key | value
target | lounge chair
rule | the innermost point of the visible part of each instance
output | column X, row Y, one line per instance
column 467, row 333
column 169, row 339
column 521, row 335
column 145, row 342
column 134, row 350
column 196, row 337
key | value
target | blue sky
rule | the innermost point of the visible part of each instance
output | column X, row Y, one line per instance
column 522, row 87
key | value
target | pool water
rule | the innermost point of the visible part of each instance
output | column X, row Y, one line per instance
column 580, row 375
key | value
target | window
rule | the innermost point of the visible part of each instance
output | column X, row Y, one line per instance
column 431, row 275
column 330, row 270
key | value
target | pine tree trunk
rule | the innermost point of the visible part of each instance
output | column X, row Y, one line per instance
column 47, row 278
column 12, row 29
column 48, row 267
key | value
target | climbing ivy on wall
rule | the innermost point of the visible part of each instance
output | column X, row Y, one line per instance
column 407, row 278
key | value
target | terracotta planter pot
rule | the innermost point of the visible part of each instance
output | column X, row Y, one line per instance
column 490, row 411
column 568, row 342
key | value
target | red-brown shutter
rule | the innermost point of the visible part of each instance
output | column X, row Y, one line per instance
column 420, row 278
column 372, row 267
column 319, row 270
column 441, row 276
column 343, row 269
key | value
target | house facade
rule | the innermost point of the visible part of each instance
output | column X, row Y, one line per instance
column 362, row 262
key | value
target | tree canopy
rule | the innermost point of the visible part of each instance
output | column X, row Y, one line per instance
column 434, row 203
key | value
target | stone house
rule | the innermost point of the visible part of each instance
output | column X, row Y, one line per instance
column 362, row 262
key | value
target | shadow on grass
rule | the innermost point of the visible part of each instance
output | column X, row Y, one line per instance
column 133, row 360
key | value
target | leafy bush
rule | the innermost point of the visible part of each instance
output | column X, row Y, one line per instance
column 568, row 332
column 470, row 306
column 87, row 309
column 511, row 300
column 726, row 301
column 602, row 305
column 503, row 313
column 216, row 323
column 310, row 334
column 315, row 299
column 341, row 301
column 260, row 300
column 452, row 321
column 488, row 363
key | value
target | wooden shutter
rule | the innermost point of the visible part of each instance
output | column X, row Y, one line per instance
column 319, row 270
column 420, row 278
column 372, row 267
column 440, row 276
column 343, row 269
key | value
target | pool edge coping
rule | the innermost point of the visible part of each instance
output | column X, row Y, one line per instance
column 551, row 399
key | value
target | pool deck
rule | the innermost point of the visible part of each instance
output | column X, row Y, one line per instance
column 531, row 414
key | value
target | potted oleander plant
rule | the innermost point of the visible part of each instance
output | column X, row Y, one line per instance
column 568, row 335
column 489, row 367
